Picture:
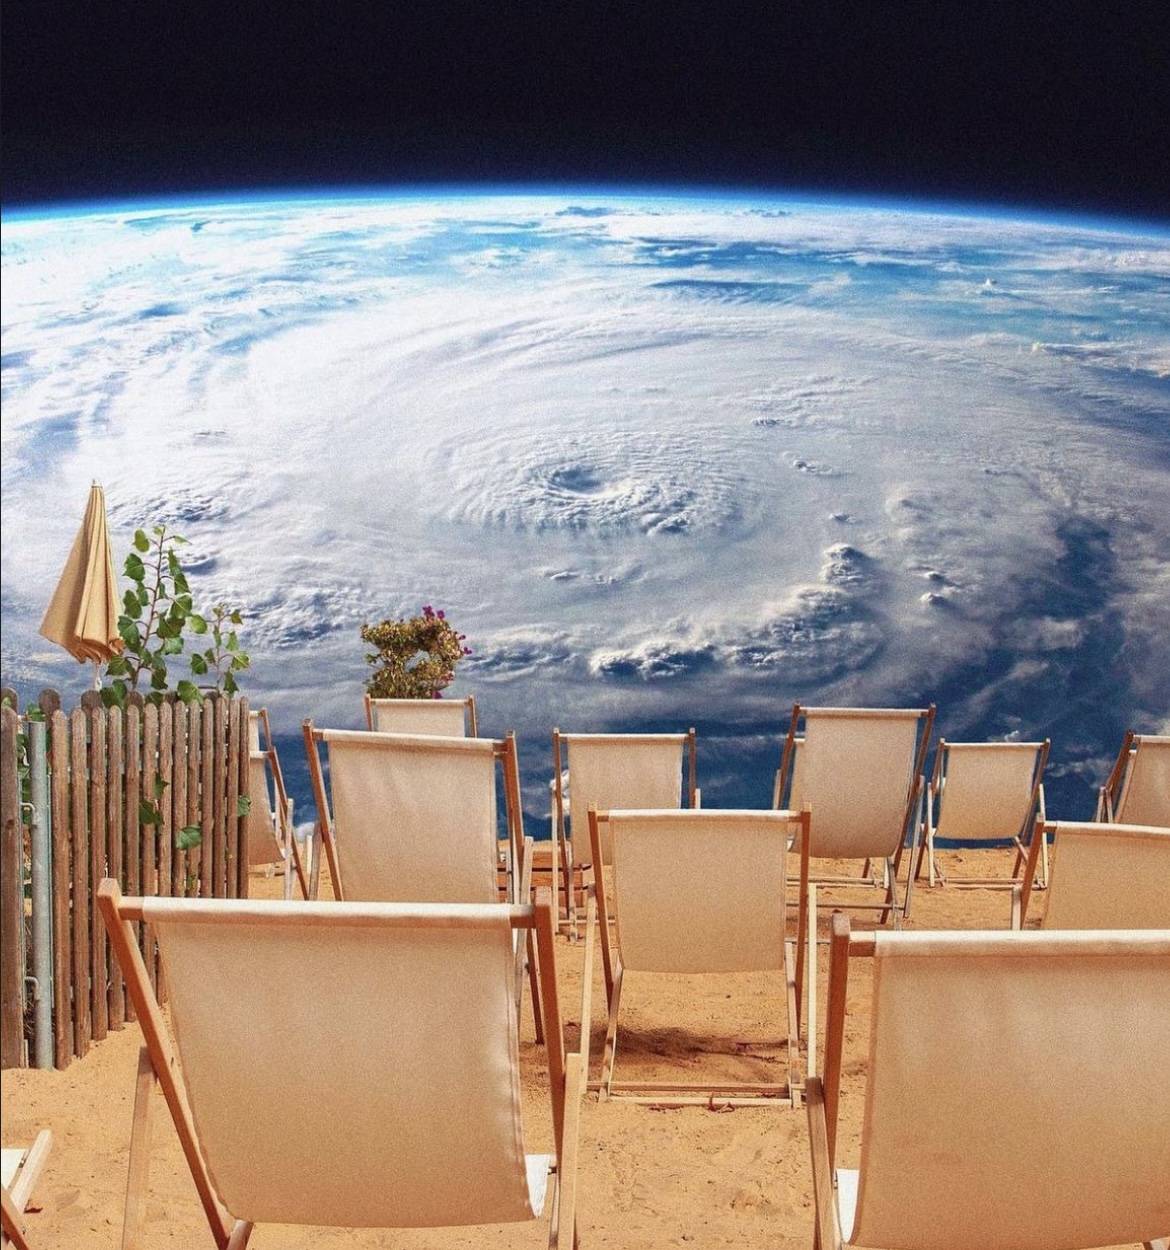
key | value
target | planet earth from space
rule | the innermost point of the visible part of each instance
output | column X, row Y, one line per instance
column 666, row 458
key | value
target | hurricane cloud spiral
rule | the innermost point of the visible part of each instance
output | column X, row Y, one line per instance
column 665, row 461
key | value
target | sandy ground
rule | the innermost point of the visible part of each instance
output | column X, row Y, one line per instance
column 648, row 1178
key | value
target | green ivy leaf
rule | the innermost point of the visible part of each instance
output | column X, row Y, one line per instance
column 148, row 813
column 243, row 804
column 196, row 623
column 188, row 692
column 141, row 543
column 189, row 837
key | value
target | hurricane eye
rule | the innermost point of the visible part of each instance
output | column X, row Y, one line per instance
column 580, row 479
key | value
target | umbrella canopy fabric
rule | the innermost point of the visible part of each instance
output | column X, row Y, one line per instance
column 83, row 614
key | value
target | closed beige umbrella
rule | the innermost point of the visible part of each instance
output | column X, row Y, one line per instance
column 83, row 614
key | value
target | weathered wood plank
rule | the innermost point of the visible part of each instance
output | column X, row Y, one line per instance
column 98, row 950
column 150, row 830
column 12, row 901
column 132, row 862
column 59, row 754
column 182, row 719
column 79, row 901
column 115, row 851
column 207, row 789
column 237, row 773
column 219, row 804
column 194, row 874
column 166, row 772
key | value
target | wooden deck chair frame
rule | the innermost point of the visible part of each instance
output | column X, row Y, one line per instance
column 1138, row 789
column 266, row 789
column 718, row 907
column 1104, row 876
column 301, row 926
column 567, row 802
column 516, row 849
column 445, row 718
column 984, row 791
column 959, row 1149
column 21, row 1169
column 886, row 848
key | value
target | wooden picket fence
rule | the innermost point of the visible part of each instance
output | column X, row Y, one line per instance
column 121, row 786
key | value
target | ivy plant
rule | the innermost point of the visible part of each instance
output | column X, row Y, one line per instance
column 224, row 658
column 155, row 611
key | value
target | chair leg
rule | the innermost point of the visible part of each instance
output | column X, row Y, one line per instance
column 534, row 989
column 610, row 1057
column 134, row 1214
column 12, row 1221
column 240, row 1235
column 812, row 980
column 315, row 863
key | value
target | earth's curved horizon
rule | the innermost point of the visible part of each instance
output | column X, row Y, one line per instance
column 667, row 457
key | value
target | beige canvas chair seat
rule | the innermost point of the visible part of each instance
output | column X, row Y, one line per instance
column 1015, row 1095
column 19, row 1171
column 413, row 819
column 1104, row 876
column 697, row 891
column 270, row 836
column 395, row 1024
column 444, row 718
column 860, row 772
column 610, row 771
column 1138, row 789
column 984, row 793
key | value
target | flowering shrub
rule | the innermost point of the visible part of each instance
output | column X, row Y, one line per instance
column 416, row 658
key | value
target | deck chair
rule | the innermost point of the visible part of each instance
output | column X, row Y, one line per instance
column 861, row 772
column 394, row 1022
column 622, row 770
column 270, row 836
column 1104, row 876
column 1138, row 789
column 413, row 819
column 698, row 891
column 447, row 718
column 1016, row 1094
column 981, row 793
column 19, row 1172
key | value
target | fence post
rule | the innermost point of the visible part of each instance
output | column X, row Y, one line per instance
column 41, row 846
column 12, row 900
column 59, row 751
column 79, row 795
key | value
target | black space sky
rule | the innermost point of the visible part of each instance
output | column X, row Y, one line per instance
column 1060, row 106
